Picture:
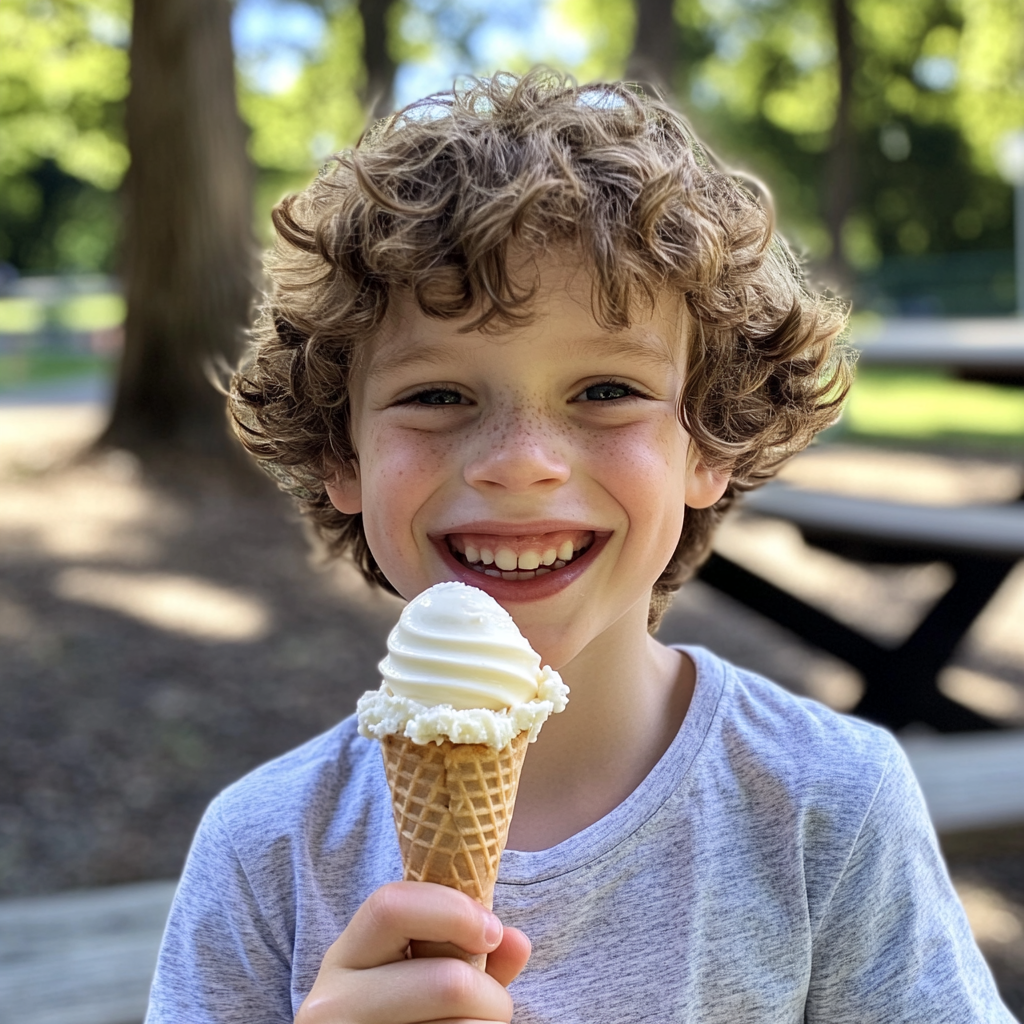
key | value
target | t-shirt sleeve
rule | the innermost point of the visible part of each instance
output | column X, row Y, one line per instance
column 222, row 960
column 894, row 946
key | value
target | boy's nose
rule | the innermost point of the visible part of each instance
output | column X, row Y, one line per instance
column 518, row 456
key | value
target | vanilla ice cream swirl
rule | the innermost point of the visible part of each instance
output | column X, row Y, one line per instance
column 456, row 645
column 458, row 668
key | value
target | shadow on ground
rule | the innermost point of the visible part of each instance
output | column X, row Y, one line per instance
column 155, row 647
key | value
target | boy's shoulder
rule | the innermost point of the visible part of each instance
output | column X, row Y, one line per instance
column 788, row 751
column 759, row 713
column 304, row 791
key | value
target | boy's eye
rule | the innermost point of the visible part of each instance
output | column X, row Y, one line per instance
column 436, row 396
column 606, row 391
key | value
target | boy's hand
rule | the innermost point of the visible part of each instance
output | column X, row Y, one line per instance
column 365, row 977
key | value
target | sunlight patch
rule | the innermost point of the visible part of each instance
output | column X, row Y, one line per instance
column 991, row 917
column 178, row 604
column 983, row 693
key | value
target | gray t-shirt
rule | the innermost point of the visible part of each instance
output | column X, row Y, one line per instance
column 777, row 865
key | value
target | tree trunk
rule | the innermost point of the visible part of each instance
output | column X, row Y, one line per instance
column 378, row 94
column 188, row 253
column 840, row 185
column 653, row 60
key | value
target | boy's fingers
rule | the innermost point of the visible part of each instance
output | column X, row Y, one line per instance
column 438, row 989
column 381, row 929
column 505, row 963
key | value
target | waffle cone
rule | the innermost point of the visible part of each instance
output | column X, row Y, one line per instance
column 453, row 805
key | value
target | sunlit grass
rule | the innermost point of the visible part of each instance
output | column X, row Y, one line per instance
column 19, row 369
column 91, row 312
column 96, row 312
column 21, row 316
column 922, row 406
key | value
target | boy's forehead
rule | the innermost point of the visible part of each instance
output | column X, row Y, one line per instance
column 407, row 347
column 656, row 336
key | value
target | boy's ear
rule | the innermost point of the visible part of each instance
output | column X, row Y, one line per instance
column 704, row 486
column 345, row 489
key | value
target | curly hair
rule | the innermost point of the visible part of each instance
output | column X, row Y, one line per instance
column 436, row 200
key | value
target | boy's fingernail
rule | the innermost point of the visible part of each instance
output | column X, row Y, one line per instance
column 493, row 931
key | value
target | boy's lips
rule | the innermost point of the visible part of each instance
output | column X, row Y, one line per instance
column 520, row 566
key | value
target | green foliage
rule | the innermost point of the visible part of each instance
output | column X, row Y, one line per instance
column 63, row 79
column 937, row 84
column 603, row 31
column 607, row 28
column 297, row 128
column 590, row 39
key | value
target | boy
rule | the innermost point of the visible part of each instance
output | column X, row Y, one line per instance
column 519, row 316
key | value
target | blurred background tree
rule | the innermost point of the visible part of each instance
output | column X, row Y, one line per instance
column 875, row 124
column 188, row 252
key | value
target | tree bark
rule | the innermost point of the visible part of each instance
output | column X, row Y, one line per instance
column 653, row 60
column 188, row 246
column 840, row 186
column 378, row 93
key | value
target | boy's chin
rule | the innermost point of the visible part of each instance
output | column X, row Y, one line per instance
column 557, row 644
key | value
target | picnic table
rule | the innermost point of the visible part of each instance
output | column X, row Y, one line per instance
column 989, row 349
column 981, row 543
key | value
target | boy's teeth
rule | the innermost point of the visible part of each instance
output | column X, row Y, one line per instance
column 527, row 574
column 505, row 559
column 521, row 558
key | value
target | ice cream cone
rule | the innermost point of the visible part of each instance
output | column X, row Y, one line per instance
column 463, row 695
column 453, row 805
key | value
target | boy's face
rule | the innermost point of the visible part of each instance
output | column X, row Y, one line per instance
column 546, row 465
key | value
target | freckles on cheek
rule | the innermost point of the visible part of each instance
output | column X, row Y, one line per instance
column 397, row 457
column 639, row 456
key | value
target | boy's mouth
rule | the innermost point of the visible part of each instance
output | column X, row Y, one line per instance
column 519, row 558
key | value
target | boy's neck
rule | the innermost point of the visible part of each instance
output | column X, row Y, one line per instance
column 629, row 695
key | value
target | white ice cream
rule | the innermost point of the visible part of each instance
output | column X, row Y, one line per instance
column 459, row 669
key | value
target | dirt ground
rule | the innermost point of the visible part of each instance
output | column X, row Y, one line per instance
column 157, row 644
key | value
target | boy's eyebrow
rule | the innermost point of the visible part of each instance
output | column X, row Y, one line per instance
column 648, row 350
column 427, row 354
column 652, row 351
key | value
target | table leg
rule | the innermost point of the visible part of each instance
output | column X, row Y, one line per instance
column 900, row 683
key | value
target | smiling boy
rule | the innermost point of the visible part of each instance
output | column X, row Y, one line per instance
column 510, row 447
column 527, row 336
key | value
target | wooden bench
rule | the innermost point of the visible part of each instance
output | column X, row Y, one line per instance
column 981, row 543
column 81, row 957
